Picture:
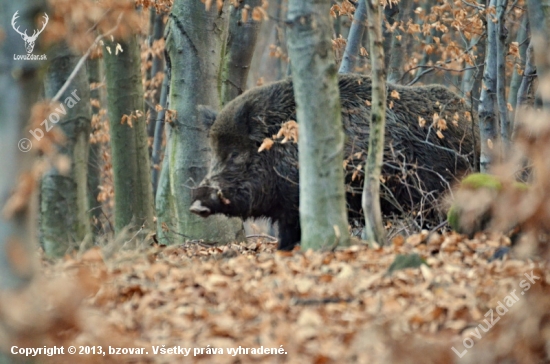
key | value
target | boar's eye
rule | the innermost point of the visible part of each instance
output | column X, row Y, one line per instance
column 237, row 157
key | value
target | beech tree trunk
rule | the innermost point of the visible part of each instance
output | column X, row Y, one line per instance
column 94, row 156
column 502, row 50
column 389, row 12
column 526, row 91
column 265, row 66
column 241, row 42
column 487, row 112
column 472, row 80
column 515, row 82
column 19, row 88
column 164, row 202
column 159, row 133
column 374, row 231
column 354, row 39
column 157, row 31
column 323, row 214
column 195, row 38
column 539, row 21
column 129, row 145
column 64, row 205
column 397, row 53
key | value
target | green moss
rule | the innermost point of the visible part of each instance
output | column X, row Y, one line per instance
column 453, row 217
column 480, row 218
column 479, row 180
column 406, row 261
column 521, row 186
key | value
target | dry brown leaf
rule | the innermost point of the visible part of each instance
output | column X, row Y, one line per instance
column 266, row 145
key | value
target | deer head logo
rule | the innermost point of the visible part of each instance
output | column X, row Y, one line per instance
column 29, row 40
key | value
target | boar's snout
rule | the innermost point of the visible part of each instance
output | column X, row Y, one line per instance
column 208, row 200
column 199, row 209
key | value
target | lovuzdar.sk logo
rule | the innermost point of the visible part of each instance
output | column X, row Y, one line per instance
column 29, row 40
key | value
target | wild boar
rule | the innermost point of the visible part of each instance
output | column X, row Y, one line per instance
column 430, row 141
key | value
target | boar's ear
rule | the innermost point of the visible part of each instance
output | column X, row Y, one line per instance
column 207, row 116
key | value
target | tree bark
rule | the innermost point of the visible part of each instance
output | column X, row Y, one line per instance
column 241, row 42
column 502, row 50
column 94, row 158
column 159, row 133
column 165, row 204
column 264, row 65
column 526, row 91
column 487, row 117
column 355, row 36
column 539, row 22
column 323, row 215
column 374, row 229
column 390, row 11
column 397, row 54
column 239, row 51
column 129, row 145
column 472, row 81
column 515, row 82
column 194, row 42
column 157, row 25
column 64, row 205
column 19, row 88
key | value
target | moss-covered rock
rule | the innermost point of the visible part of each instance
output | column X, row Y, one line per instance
column 474, row 200
column 476, row 181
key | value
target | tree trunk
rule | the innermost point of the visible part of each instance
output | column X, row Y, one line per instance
column 165, row 204
column 323, row 215
column 155, row 124
column 539, row 23
column 129, row 145
column 354, row 39
column 194, row 42
column 425, row 40
column 526, row 91
column 515, row 82
column 237, row 61
column 157, row 26
column 64, row 217
column 19, row 88
column 264, row 65
column 159, row 133
column 241, row 43
column 374, row 229
column 487, row 117
column 472, row 81
column 94, row 157
column 390, row 11
column 398, row 52
column 502, row 51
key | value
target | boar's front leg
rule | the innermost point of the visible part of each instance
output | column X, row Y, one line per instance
column 289, row 234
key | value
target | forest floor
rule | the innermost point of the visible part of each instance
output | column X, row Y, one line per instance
column 304, row 307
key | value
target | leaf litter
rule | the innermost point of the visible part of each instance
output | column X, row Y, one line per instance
column 322, row 307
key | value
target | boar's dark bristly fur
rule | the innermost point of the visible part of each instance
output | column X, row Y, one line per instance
column 417, row 162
